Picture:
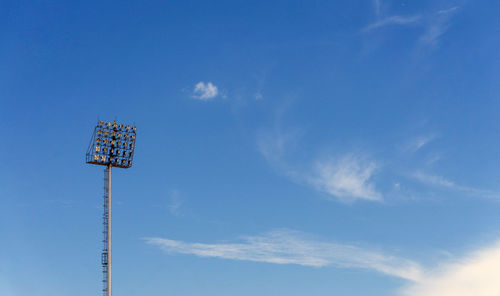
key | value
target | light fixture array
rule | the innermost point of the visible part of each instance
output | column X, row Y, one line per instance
column 112, row 144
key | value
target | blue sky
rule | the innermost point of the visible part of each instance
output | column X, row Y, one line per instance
column 284, row 147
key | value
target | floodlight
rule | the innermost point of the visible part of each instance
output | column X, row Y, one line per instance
column 111, row 146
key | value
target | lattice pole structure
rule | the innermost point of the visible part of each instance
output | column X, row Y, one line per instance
column 112, row 145
column 106, row 221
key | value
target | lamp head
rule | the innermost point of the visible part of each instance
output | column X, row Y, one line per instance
column 112, row 144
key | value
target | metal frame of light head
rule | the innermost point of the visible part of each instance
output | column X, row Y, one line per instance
column 112, row 144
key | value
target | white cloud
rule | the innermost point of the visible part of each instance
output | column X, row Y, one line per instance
column 290, row 247
column 440, row 181
column 475, row 274
column 274, row 145
column 449, row 10
column 205, row 91
column 434, row 180
column 347, row 178
column 437, row 25
column 393, row 20
column 433, row 33
column 175, row 203
column 377, row 5
column 433, row 158
column 419, row 142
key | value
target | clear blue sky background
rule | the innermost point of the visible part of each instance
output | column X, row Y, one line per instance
column 370, row 125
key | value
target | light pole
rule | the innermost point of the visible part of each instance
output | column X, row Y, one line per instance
column 112, row 145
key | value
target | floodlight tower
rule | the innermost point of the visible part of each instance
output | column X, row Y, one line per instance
column 112, row 145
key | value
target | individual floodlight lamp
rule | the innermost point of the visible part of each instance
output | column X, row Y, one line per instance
column 112, row 145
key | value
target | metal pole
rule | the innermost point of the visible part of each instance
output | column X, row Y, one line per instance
column 109, row 230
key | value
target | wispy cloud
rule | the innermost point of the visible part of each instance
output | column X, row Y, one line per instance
column 347, row 178
column 439, row 181
column 205, row 91
column 436, row 26
column 291, row 247
column 274, row 144
column 475, row 274
column 434, row 180
column 261, row 79
column 175, row 203
column 419, row 142
column 377, row 7
column 393, row 20
column 389, row 20
column 449, row 10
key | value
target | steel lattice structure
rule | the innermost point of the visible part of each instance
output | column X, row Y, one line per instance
column 112, row 145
